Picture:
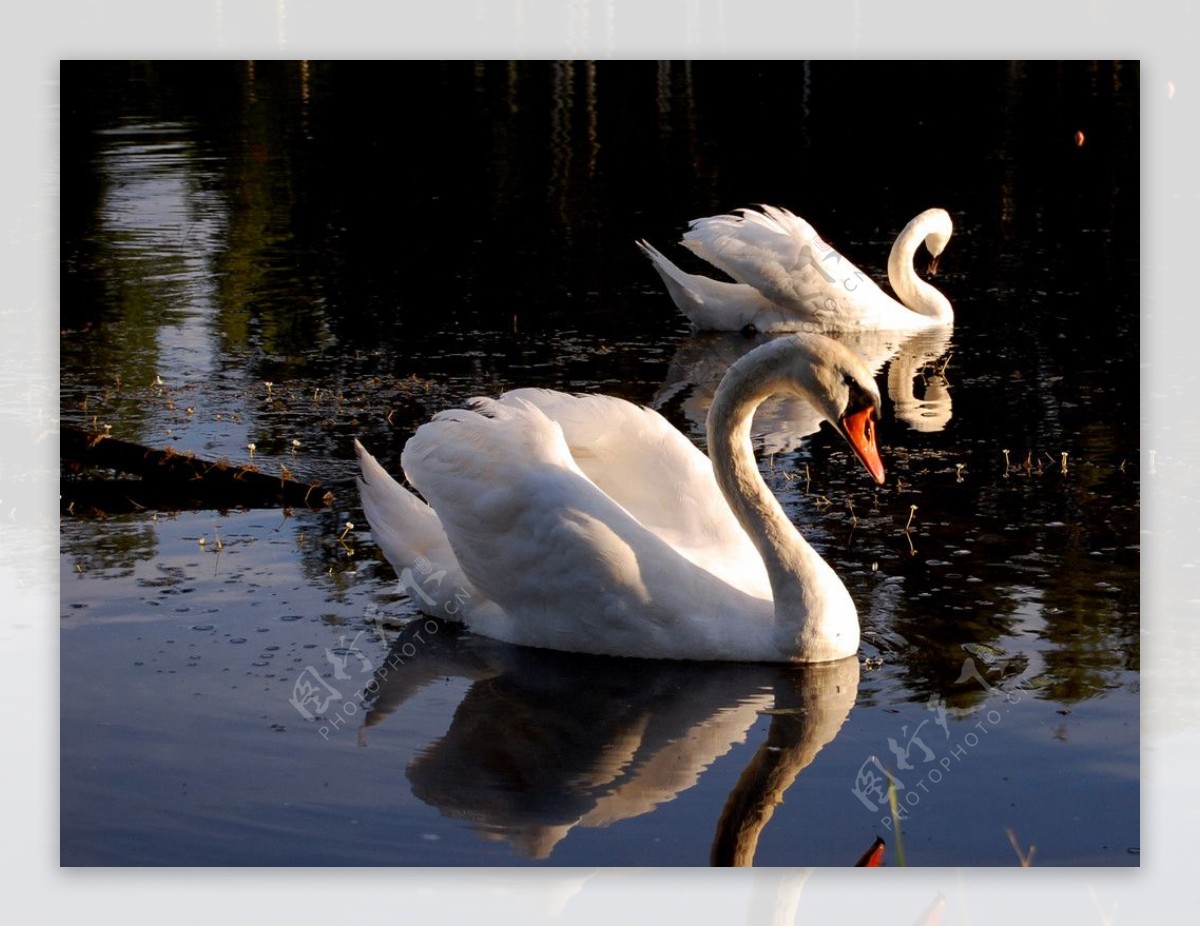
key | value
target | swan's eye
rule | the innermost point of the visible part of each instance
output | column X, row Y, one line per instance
column 859, row 398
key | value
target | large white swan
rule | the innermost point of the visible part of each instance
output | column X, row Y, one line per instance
column 589, row 524
column 787, row 279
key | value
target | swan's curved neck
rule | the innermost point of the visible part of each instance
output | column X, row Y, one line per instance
column 813, row 611
column 911, row 290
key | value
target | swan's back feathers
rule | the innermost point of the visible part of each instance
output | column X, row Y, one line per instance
column 481, row 457
column 782, row 257
column 736, row 242
column 646, row 465
column 537, row 536
column 474, row 460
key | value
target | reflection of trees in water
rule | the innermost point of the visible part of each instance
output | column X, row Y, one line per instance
column 996, row 558
column 115, row 547
column 332, row 560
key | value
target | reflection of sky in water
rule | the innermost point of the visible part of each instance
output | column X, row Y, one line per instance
column 157, row 217
column 162, row 222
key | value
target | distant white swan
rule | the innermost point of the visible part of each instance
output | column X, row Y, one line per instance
column 589, row 524
column 788, row 279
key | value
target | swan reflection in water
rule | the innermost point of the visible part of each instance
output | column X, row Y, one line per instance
column 545, row 742
column 781, row 423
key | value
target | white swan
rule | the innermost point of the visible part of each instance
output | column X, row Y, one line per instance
column 589, row 524
column 788, row 279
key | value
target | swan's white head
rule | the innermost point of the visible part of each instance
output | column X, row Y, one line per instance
column 826, row 374
column 938, row 227
column 851, row 400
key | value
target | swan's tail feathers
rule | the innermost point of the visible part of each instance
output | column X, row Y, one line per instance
column 411, row 536
column 710, row 305
column 685, row 295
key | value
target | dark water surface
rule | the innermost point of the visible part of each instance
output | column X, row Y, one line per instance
column 263, row 261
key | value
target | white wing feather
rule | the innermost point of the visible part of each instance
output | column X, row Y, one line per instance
column 566, row 564
column 646, row 465
column 781, row 256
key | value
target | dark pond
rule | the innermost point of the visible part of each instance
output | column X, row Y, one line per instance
column 261, row 262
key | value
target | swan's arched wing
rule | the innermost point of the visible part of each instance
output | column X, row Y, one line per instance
column 783, row 257
column 646, row 465
column 750, row 245
column 567, row 566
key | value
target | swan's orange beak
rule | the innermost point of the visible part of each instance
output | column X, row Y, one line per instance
column 933, row 264
column 859, row 429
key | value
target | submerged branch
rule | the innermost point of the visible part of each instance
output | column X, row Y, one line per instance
column 141, row 477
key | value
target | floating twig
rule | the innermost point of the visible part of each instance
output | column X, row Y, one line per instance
column 1025, row 858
